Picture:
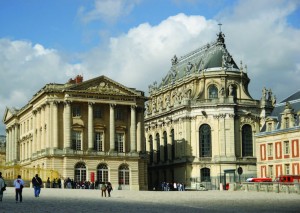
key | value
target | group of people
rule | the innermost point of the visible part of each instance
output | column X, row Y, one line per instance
column 19, row 185
column 38, row 183
column 165, row 186
column 106, row 187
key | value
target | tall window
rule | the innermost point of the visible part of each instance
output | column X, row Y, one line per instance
column 158, row 147
column 287, row 169
column 173, row 145
column 76, row 140
column 97, row 112
column 76, row 112
column 119, row 114
column 205, row 141
column 205, row 174
column 80, row 172
column 151, row 148
column 270, row 149
column 270, row 171
column 247, row 143
column 212, row 92
column 124, row 175
column 98, row 143
column 119, row 142
column 287, row 122
column 286, row 147
column 102, row 173
column 165, row 146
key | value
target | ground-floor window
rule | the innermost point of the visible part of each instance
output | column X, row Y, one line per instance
column 102, row 173
column 124, row 175
column 205, row 174
column 80, row 172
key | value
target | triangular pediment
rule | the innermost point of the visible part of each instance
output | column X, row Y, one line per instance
column 103, row 85
column 9, row 113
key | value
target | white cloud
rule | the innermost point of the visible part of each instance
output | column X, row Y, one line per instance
column 108, row 10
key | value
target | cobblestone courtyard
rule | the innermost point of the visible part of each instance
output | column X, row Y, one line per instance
column 81, row 200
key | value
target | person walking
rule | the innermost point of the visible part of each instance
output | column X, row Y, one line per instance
column 2, row 186
column 103, row 189
column 19, row 184
column 37, row 183
column 109, row 188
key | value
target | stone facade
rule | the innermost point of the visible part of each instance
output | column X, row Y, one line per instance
column 278, row 143
column 200, row 120
column 85, row 130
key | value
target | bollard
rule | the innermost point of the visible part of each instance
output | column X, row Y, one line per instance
column 267, row 188
column 246, row 188
column 221, row 187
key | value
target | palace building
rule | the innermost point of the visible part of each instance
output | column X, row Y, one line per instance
column 85, row 130
column 278, row 146
column 200, row 120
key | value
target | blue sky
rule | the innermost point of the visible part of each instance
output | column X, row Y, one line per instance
column 133, row 41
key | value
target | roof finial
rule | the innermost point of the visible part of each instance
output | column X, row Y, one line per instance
column 220, row 27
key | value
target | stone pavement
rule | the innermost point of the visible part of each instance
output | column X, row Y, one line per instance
column 82, row 200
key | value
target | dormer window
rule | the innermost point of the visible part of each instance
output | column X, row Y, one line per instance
column 269, row 127
column 287, row 122
column 212, row 92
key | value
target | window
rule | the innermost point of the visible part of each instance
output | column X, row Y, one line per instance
column 80, row 172
column 205, row 141
column 158, row 147
column 76, row 111
column 287, row 122
column 172, row 145
column 212, row 92
column 247, row 148
column 287, row 169
column 98, row 143
column 270, row 171
column 97, row 112
column 102, row 173
column 269, row 127
column 76, row 140
column 270, row 150
column 124, row 175
column 286, row 147
column 119, row 142
column 119, row 114
column 151, row 148
column 205, row 175
column 165, row 146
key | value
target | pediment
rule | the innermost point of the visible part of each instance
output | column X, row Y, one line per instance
column 9, row 113
column 103, row 85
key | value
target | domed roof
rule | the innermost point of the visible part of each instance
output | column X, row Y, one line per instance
column 209, row 58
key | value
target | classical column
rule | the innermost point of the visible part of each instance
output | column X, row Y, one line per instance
column 90, row 126
column 13, row 148
column 42, row 121
column 139, row 132
column 67, row 125
column 38, row 135
column 112, row 127
column 7, row 145
column 34, row 132
column 133, row 129
column 55, row 125
column 47, row 125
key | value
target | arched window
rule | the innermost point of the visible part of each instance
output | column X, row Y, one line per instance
column 232, row 91
column 205, row 141
column 124, row 174
column 205, row 175
column 212, row 92
column 102, row 173
column 80, row 172
column 165, row 146
column 151, row 148
column 173, row 145
column 157, row 147
column 247, row 143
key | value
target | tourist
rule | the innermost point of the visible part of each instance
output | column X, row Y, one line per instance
column 2, row 186
column 109, row 188
column 37, row 184
column 19, row 184
column 103, row 189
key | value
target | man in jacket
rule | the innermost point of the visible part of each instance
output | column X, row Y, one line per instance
column 37, row 184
